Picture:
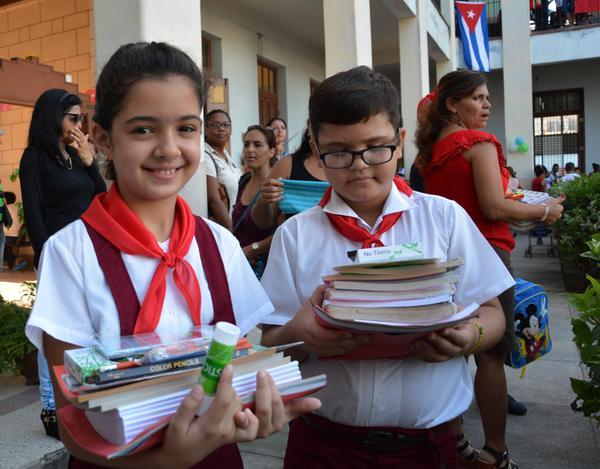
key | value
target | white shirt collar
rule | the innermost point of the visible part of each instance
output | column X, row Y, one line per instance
column 396, row 202
column 214, row 152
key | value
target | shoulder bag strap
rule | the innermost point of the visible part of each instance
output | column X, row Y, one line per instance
column 118, row 279
column 212, row 263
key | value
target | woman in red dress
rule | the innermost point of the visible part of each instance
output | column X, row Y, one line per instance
column 467, row 165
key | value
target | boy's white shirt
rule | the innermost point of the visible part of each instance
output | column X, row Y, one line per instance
column 406, row 393
column 74, row 301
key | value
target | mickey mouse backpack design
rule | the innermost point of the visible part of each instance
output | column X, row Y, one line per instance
column 532, row 335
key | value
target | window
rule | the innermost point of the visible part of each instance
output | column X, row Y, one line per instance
column 267, row 92
column 206, row 55
column 558, row 128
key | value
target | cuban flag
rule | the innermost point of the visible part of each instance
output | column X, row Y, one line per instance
column 472, row 21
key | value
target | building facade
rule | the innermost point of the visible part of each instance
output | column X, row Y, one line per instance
column 265, row 56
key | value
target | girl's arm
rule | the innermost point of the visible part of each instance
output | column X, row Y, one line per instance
column 490, row 194
column 216, row 207
column 263, row 247
column 265, row 210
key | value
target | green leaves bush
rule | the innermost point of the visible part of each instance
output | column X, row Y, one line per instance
column 580, row 220
column 586, row 331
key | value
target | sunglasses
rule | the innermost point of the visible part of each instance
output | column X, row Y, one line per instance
column 73, row 117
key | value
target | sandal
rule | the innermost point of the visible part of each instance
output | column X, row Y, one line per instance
column 466, row 450
column 502, row 459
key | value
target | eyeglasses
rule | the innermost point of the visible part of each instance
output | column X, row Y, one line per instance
column 73, row 117
column 371, row 156
column 219, row 125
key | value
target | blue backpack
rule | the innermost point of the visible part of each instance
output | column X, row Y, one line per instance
column 532, row 335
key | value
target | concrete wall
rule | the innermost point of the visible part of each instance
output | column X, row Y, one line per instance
column 60, row 34
column 240, row 48
column 585, row 74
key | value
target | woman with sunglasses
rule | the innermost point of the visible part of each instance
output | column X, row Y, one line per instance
column 59, row 178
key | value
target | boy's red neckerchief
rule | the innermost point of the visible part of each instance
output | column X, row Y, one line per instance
column 110, row 216
column 348, row 226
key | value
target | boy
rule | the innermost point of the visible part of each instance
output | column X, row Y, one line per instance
column 376, row 413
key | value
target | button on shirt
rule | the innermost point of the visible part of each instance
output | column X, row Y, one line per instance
column 224, row 170
column 407, row 393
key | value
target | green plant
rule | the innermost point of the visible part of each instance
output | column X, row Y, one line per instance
column 14, row 345
column 586, row 331
column 20, row 213
column 580, row 220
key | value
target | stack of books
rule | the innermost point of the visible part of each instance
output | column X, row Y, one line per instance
column 119, row 406
column 406, row 298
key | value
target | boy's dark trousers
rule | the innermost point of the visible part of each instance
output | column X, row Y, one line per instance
column 336, row 446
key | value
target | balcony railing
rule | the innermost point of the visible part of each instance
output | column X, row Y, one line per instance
column 542, row 18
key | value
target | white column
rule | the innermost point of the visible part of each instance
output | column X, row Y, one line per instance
column 447, row 66
column 347, row 35
column 118, row 22
column 414, row 73
column 518, row 102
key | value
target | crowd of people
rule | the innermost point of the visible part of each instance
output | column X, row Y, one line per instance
column 147, row 126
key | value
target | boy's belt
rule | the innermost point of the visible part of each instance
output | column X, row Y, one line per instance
column 376, row 439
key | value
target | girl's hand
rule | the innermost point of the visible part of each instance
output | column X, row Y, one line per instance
column 446, row 343
column 272, row 414
column 318, row 339
column 189, row 439
column 82, row 147
column 556, row 209
column 271, row 191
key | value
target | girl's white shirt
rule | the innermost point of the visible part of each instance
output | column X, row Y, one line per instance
column 74, row 302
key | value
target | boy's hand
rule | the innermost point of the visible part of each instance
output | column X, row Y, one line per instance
column 320, row 340
column 271, row 191
column 446, row 343
column 556, row 209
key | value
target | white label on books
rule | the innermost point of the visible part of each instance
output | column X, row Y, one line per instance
column 399, row 252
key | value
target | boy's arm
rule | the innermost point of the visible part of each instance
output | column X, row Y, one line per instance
column 463, row 338
column 317, row 339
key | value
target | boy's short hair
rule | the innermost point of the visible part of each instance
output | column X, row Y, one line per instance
column 570, row 166
column 351, row 97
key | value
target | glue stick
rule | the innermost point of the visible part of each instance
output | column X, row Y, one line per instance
column 220, row 353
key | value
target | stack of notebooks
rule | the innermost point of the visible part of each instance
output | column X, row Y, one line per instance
column 406, row 298
column 115, row 416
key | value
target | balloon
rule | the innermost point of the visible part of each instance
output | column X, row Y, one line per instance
column 523, row 148
column 519, row 140
column 513, row 147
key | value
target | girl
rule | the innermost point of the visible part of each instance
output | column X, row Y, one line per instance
column 259, row 155
column 139, row 244
column 59, row 178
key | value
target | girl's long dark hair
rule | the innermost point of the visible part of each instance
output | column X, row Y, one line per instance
column 45, row 130
column 436, row 116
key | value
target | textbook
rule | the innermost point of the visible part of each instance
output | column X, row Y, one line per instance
column 390, row 271
column 402, row 315
column 124, row 417
column 404, row 251
column 345, row 295
column 446, row 280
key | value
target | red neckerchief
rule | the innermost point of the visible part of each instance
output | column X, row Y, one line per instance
column 348, row 226
column 110, row 216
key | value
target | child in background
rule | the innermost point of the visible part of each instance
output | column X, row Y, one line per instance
column 386, row 412
column 11, row 234
column 144, row 238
